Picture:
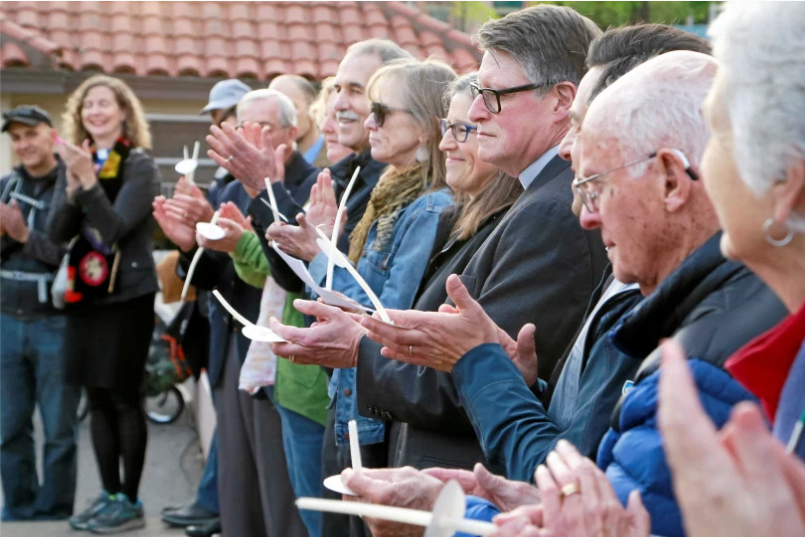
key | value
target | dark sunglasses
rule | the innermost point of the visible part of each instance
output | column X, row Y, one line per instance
column 460, row 130
column 381, row 110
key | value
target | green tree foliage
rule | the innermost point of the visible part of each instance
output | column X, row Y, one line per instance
column 608, row 14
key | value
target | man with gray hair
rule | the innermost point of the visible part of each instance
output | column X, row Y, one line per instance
column 255, row 492
column 641, row 143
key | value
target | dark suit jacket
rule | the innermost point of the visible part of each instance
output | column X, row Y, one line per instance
column 216, row 270
column 537, row 266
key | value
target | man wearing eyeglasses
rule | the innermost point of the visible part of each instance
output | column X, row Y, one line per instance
column 641, row 186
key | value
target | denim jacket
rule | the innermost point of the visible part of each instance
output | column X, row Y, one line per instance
column 394, row 274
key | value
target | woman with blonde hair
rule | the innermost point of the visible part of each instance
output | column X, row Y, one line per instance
column 103, row 207
column 391, row 244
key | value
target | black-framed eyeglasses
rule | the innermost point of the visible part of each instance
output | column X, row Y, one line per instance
column 381, row 110
column 589, row 196
column 460, row 130
column 492, row 96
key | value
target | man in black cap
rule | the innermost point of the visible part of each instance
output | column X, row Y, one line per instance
column 31, row 331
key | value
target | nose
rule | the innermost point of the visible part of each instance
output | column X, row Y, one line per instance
column 448, row 142
column 589, row 220
column 341, row 102
column 567, row 144
column 371, row 123
column 478, row 112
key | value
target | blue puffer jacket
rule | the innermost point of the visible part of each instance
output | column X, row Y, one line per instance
column 712, row 306
column 634, row 457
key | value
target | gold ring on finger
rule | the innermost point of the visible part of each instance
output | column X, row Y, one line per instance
column 569, row 490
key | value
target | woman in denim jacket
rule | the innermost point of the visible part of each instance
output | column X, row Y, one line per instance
column 391, row 245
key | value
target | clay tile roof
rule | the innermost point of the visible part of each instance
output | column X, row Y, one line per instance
column 216, row 39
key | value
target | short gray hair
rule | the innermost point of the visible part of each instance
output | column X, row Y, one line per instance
column 762, row 49
column 459, row 85
column 657, row 105
column 285, row 105
column 387, row 51
column 549, row 42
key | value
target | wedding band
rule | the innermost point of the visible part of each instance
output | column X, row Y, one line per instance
column 410, row 350
column 291, row 358
column 230, row 159
column 569, row 490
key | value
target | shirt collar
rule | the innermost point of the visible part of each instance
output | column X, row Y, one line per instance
column 313, row 151
column 528, row 175
column 762, row 365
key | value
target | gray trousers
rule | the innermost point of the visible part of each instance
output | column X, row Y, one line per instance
column 254, row 490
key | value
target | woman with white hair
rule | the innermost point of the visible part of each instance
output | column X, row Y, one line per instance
column 737, row 482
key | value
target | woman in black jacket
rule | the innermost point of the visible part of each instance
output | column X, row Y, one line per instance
column 104, row 205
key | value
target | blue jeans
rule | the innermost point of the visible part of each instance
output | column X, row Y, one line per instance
column 207, row 494
column 32, row 371
column 302, row 439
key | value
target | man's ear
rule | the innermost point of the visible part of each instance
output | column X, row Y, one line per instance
column 565, row 94
column 677, row 184
column 789, row 195
column 293, row 132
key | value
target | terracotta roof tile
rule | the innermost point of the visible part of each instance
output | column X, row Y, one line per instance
column 220, row 39
column 14, row 56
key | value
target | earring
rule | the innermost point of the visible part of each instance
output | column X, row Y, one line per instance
column 789, row 236
column 422, row 154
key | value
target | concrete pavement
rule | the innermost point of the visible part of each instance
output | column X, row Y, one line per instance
column 173, row 468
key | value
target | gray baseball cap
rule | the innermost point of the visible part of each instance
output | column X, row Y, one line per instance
column 225, row 94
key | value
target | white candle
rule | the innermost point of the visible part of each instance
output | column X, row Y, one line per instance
column 328, row 284
column 355, row 446
column 192, row 174
column 232, row 311
column 196, row 259
column 331, row 252
column 395, row 514
column 272, row 200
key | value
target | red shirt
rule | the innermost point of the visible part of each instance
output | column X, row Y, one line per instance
column 762, row 365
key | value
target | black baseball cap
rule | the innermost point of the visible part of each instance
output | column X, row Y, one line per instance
column 27, row 115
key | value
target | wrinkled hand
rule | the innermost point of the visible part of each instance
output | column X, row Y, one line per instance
column 505, row 494
column 232, row 212
column 182, row 235
column 253, row 157
column 189, row 210
column 594, row 509
column 332, row 341
column 13, row 223
column 183, row 186
column 436, row 340
column 525, row 521
column 228, row 243
column 397, row 487
column 323, row 207
column 739, row 482
column 298, row 241
column 78, row 161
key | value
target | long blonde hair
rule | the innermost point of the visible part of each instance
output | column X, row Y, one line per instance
column 135, row 128
column 424, row 84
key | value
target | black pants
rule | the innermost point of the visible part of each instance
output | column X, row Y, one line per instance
column 119, row 432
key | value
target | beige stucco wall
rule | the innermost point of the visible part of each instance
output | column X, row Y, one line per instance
column 54, row 105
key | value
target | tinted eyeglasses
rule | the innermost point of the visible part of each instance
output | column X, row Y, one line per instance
column 460, row 130
column 492, row 96
column 381, row 110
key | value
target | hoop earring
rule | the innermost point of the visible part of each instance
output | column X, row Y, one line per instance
column 789, row 236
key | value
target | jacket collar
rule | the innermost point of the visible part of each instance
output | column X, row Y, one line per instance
column 370, row 169
column 763, row 364
column 661, row 313
column 297, row 169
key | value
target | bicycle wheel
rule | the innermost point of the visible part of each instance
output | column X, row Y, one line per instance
column 166, row 407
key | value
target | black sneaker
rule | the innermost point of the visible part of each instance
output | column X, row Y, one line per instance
column 81, row 520
column 118, row 516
